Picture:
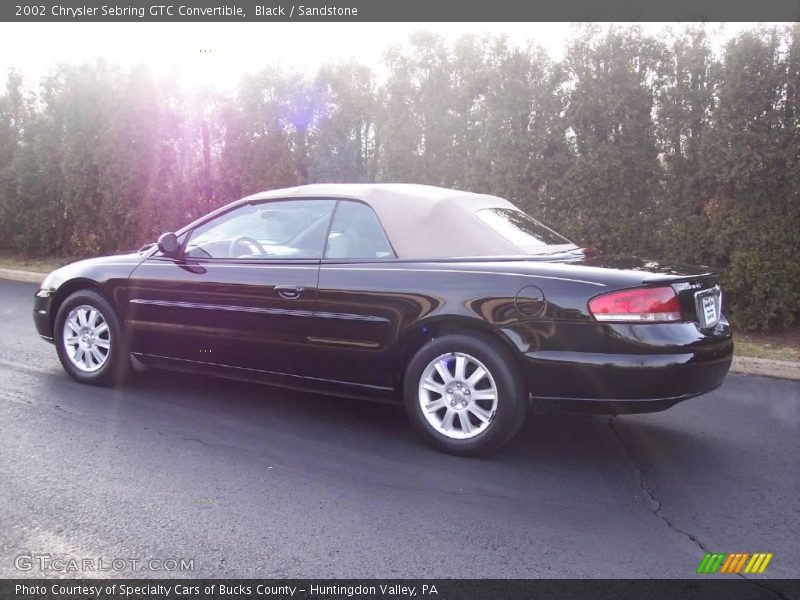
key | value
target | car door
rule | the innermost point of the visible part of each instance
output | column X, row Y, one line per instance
column 239, row 294
column 361, row 303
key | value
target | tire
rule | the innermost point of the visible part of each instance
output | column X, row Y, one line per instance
column 98, row 355
column 490, row 424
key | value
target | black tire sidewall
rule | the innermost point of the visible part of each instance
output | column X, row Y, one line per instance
column 113, row 370
column 511, row 406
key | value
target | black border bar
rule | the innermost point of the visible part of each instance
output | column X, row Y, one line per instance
column 398, row 10
column 702, row 588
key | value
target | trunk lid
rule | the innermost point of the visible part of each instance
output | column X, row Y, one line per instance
column 652, row 271
column 697, row 287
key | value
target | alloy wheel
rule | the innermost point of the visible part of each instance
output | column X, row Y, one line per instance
column 457, row 395
column 87, row 338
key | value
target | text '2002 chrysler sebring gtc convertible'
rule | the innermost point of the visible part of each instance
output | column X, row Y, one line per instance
column 459, row 305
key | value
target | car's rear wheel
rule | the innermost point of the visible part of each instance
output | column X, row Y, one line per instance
column 89, row 339
column 463, row 394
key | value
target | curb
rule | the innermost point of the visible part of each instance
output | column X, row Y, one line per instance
column 745, row 365
column 766, row 367
column 26, row 276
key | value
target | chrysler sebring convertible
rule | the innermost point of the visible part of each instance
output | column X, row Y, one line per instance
column 458, row 305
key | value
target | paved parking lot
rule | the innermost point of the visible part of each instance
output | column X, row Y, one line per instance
column 251, row 481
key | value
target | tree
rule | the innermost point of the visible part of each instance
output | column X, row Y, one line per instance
column 614, row 178
column 260, row 133
column 343, row 141
column 752, row 165
column 685, row 105
column 633, row 144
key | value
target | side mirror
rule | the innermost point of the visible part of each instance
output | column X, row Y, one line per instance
column 168, row 244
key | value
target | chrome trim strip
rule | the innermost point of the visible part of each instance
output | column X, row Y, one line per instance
column 351, row 317
column 258, row 309
column 347, row 268
column 224, row 307
column 461, row 271
column 340, row 342
column 169, row 263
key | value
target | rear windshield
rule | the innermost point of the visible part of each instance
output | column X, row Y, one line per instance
column 520, row 229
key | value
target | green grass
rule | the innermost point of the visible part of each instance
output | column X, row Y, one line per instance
column 784, row 345
column 43, row 264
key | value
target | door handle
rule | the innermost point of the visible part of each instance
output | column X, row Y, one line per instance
column 290, row 292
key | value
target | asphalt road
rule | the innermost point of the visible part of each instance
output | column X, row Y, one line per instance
column 247, row 480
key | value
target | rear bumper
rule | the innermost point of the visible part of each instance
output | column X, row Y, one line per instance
column 648, row 370
column 616, row 406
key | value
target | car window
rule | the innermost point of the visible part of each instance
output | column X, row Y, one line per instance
column 281, row 229
column 520, row 229
column 356, row 232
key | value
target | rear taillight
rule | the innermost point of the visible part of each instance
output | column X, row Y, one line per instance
column 645, row 305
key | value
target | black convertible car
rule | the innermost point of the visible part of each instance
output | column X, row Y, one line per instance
column 457, row 304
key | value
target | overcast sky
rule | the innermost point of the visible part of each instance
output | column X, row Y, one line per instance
column 237, row 48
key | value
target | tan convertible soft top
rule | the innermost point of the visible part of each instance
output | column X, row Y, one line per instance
column 422, row 221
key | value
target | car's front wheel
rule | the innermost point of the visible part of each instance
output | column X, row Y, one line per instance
column 464, row 395
column 89, row 340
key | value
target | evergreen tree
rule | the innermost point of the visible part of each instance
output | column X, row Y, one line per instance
column 632, row 144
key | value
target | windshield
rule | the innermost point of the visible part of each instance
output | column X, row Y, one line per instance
column 523, row 231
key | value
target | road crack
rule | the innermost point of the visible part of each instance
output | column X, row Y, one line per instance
column 651, row 495
column 657, row 506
